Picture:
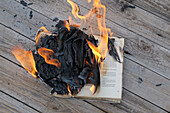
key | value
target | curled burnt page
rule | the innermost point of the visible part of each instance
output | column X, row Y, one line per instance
column 64, row 60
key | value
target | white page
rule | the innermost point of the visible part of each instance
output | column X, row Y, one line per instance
column 110, row 80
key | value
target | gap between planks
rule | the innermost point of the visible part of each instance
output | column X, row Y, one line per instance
column 24, row 91
column 14, row 42
column 152, row 66
column 18, row 104
column 156, row 7
column 126, row 22
column 120, row 106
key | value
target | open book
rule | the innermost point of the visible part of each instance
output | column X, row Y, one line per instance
column 110, row 88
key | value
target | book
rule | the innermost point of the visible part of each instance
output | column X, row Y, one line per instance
column 110, row 88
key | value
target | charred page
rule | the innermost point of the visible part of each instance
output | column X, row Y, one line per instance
column 110, row 88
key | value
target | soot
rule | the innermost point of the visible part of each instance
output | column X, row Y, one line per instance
column 78, row 63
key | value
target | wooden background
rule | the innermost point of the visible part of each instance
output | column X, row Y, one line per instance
column 146, row 77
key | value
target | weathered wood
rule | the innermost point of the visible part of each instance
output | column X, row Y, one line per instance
column 19, row 90
column 18, row 83
column 10, row 105
column 142, row 50
column 137, row 20
column 143, row 82
column 160, row 8
column 21, row 27
column 10, row 37
column 130, row 104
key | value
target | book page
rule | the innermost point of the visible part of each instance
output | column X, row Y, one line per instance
column 110, row 79
column 110, row 87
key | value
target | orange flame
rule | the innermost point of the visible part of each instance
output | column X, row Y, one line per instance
column 72, row 23
column 68, row 88
column 66, row 24
column 45, row 53
column 100, row 10
column 26, row 59
column 92, row 89
column 95, row 51
column 39, row 33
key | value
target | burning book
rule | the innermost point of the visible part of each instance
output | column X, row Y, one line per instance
column 73, row 63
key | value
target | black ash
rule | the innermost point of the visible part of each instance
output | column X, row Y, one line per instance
column 77, row 63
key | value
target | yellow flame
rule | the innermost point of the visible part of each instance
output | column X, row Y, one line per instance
column 95, row 51
column 100, row 10
column 92, row 89
column 26, row 59
column 39, row 33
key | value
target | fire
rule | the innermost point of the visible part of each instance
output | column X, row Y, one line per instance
column 66, row 24
column 68, row 88
column 45, row 53
column 39, row 33
column 100, row 11
column 92, row 89
column 95, row 51
column 26, row 59
column 72, row 23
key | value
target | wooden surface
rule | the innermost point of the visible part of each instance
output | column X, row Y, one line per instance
column 146, row 78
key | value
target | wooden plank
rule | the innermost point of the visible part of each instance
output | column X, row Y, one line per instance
column 10, row 85
column 10, row 105
column 158, row 7
column 143, row 82
column 130, row 104
column 137, row 88
column 18, row 83
column 137, row 20
column 142, row 51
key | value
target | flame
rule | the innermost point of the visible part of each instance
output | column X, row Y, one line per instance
column 26, row 59
column 100, row 10
column 66, row 24
column 39, row 33
column 68, row 88
column 92, row 89
column 45, row 53
column 95, row 51
column 72, row 23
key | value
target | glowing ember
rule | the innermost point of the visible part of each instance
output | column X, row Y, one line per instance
column 45, row 53
column 26, row 59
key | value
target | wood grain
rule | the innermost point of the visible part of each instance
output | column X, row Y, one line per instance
column 21, row 23
column 18, row 83
column 142, row 50
column 130, row 104
column 10, row 105
column 160, row 8
column 33, row 95
column 135, row 19
column 130, row 74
